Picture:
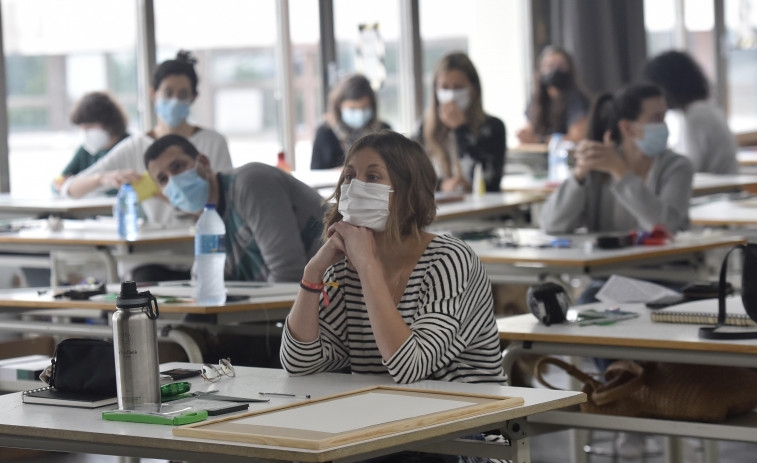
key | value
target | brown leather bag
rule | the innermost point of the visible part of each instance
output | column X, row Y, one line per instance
column 664, row 390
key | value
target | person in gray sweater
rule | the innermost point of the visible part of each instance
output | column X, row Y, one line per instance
column 624, row 177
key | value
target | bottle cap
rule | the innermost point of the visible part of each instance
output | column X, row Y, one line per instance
column 130, row 298
column 210, row 206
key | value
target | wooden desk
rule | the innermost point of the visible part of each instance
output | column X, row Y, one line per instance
column 725, row 213
column 703, row 184
column 635, row 339
column 14, row 206
column 504, row 263
column 98, row 236
column 265, row 303
column 491, row 204
column 80, row 430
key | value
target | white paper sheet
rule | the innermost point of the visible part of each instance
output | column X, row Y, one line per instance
column 353, row 412
column 620, row 289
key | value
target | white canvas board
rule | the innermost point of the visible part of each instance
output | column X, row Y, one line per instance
column 353, row 412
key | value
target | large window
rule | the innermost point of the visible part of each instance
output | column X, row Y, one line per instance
column 741, row 45
column 306, row 63
column 234, row 43
column 349, row 15
column 697, row 36
column 493, row 36
column 52, row 58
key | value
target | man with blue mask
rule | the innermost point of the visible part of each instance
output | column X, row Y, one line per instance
column 273, row 221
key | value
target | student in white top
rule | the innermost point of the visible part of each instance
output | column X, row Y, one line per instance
column 703, row 134
column 174, row 89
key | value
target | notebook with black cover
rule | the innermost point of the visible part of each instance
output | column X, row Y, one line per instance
column 51, row 396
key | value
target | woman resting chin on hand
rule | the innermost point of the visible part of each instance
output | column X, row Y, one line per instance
column 397, row 300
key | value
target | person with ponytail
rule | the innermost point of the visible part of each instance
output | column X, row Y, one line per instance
column 456, row 133
column 173, row 90
column 624, row 176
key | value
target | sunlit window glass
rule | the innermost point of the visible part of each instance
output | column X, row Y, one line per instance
column 306, row 67
column 741, row 30
column 53, row 57
column 234, row 43
column 348, row 16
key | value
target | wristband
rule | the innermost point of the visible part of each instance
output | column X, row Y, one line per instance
column 318, row 288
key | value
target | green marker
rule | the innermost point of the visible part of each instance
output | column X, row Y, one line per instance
column 174, row 389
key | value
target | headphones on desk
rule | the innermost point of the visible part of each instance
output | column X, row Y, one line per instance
column 548, row 302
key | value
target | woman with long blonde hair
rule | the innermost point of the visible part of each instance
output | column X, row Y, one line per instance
column 456, row 132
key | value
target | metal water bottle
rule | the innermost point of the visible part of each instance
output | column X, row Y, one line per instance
column 135, row 342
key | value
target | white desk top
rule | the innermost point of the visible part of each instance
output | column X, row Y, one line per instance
column 266, row 296
column 725, row 212
column 579, row 256
column 747, row 157
column 318, row 178
column 70, row 429
column 56, row 205
column 489, row 204
column 639, row 332
column 703, row 183
column 100, row 232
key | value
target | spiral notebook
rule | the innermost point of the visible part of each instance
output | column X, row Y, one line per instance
column 50, row 396
column 704, row 312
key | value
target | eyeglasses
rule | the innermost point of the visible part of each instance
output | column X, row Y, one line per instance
column 214, row 373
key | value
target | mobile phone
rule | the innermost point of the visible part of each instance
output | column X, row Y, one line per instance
column 181, row 373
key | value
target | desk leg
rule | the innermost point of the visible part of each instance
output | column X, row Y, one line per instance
column 673, row 449
column 509, row 356
column 128, row 460
column 520, row 447
column 110, row 264
column 53, row 270
column 186, row 342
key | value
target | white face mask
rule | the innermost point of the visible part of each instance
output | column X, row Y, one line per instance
column 460, row 96
column 95, row 139
column 365, row 204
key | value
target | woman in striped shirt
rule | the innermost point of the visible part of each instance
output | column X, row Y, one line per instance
column 404, row 301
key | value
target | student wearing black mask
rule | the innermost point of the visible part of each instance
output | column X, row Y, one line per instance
column 558, row 104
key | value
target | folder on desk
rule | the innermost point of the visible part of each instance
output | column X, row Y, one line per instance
column 704, row 312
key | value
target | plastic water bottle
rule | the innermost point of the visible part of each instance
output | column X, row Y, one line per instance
column 479, row 185
column 559, row 169
column 127, row 212
column 210, row 257
column 282, row 163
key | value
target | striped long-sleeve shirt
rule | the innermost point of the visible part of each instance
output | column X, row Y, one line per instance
column 447, row 305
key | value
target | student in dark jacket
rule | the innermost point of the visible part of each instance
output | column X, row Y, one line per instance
column 352, row 114
column 558, row 103
column 456, row 132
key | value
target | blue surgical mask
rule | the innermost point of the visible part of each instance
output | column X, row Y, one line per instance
column 655, row 139
column 187, row 191
column 356, row 118
column 172, row 111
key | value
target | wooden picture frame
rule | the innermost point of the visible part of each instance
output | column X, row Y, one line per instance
column 247, row 427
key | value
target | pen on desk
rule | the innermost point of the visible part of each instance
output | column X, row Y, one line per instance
column 283, row 394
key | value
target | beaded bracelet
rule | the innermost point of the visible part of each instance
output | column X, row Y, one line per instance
column 318, row 288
